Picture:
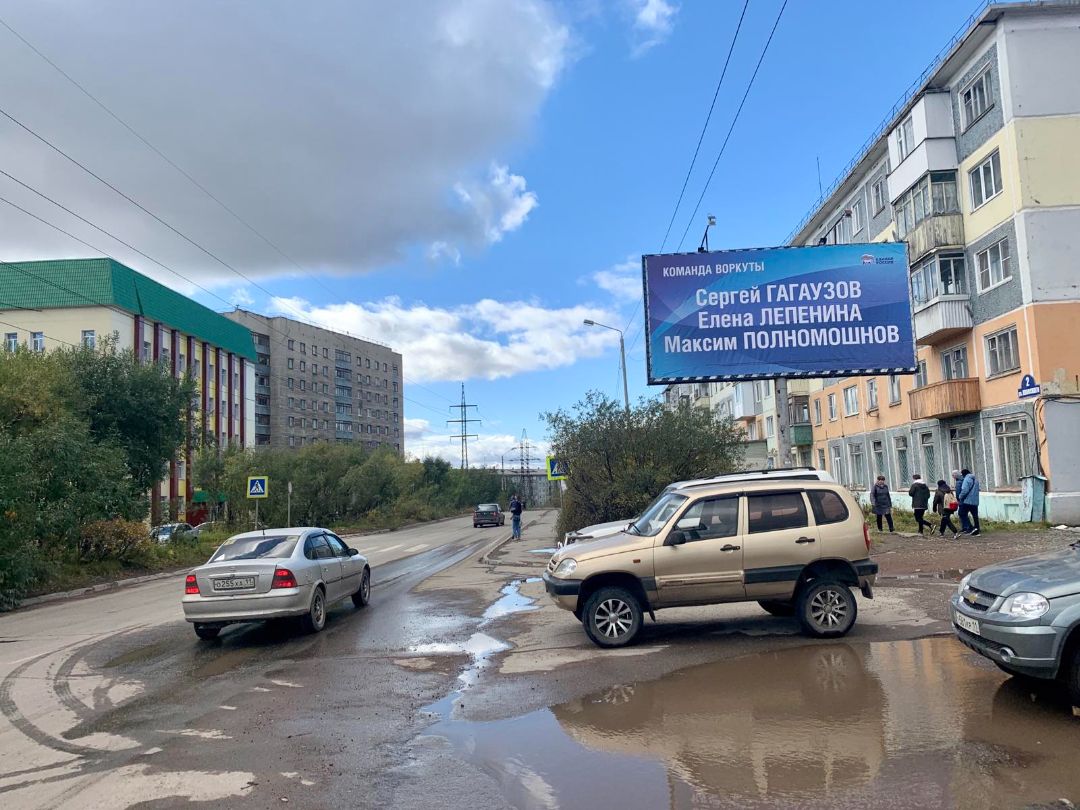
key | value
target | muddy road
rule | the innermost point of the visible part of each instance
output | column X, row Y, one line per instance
column 461, row 685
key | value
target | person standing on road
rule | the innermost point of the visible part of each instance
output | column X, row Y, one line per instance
column 516, row 508
column 968, row 495
column 945, row 504
column 881, row 500
column 920, row 500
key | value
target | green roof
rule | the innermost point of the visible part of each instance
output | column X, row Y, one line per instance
column 62, row 283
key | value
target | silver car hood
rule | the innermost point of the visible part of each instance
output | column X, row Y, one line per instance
column 1052, row 573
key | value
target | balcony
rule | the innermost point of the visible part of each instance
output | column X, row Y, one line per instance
column 933, row 233
column 802, row 434
column 262, row 389
column 944, row 399
column 262, row 410
column 944, row 318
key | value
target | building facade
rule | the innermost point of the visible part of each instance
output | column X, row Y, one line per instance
column 316, row 385
column 741, row 401
column 52, row 304
column 979, row 173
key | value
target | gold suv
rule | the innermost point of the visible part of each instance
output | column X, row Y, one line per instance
column 796, row 548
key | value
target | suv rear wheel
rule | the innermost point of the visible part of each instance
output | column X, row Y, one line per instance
column 826, row 608
column 612, row 617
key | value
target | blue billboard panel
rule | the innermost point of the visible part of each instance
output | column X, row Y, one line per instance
column 828, row 311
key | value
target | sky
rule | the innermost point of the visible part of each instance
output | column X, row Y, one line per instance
column 465, row 181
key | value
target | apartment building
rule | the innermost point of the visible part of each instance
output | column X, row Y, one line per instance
column 979, row 173
column 316, row 385
column 71, row 302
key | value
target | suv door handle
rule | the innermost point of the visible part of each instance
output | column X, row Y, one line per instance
column 802, row 540
column 730, row 547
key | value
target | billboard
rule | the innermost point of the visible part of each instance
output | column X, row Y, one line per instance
column 828, row 311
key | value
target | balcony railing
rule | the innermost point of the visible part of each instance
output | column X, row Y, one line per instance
column 944, row 318
column 802, row 434
column 944, row 399
column 938, row 231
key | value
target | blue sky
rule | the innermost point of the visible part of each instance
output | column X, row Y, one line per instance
column 454, row 192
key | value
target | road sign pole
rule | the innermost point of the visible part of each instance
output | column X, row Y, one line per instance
column 288, row 506
column 256, row 515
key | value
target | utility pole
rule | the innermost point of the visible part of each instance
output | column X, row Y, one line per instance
column 463, row 421
column 783, row 426
column 526, row 463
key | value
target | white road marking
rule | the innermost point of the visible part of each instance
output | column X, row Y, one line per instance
column 384, row 550
column 420, row 547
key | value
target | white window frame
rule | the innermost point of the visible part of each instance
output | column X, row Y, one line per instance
column 851, row 400
column 770, row 427
column 855, row 451
column 990, row 165
column 817, row 411
column 37, row 341
column 957, row 438
column 903, row 451
column 11, row 341
column 879, row 196
column 838, row 463
column 832, row 408
column 951, row 355
column 905, row 133
column 858, row 215
column 922, row 378
column 991, row 352
column 983, row 80
column 871, row 395
column 821, row 458
column 1004, row 265
column 1006, row 477
column 89, row 339
column 894, row 389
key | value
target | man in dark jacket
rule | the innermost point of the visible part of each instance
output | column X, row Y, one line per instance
column 920, row 500
column 516, row 508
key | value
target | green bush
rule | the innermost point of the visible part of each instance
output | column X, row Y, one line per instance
column 123, row 540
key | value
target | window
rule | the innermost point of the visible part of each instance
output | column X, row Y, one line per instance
column 817, row 411
column 775, row 512
column 325, row 352
column 859, row 477
column 851, row 400
column 921, row 379
column 954, row 365
column 985, row 180
column 290, row 383
column 903, row 466
column 837, row 463
column 975, row 99
column 11, row 341
column 289, row 363
column 303, row 404
column 962, row 447
column 929, row 456
column 827, row 505
column 303, row 348
column 878, row 450
column 1002, row 354
column 878, row 195
column 89, row 338
column 752, row 431
column 314, row 350
column 37, row 341
column 871, row 395
column 894, row 389
column 933, row 195
column 236, row 410
column 1011, row 441
column 858, row 215
column 303, row 385
column 291, row 344
column 710, row 518
column 315, row 424
column 303, row 365
column 994, row 265
column 832, row 407
column 821, row 458
column 905, row 137
column 940, row 275
column 770, row 428
column 326, row 407
column 840, row 232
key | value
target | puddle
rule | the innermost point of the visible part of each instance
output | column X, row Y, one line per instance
column 916, row 724
column 511, row 601
column 479, row 647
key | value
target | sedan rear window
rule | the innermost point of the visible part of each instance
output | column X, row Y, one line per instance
column 488, row 507
column 270, row 547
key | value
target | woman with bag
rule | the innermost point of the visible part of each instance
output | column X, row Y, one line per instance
column 945, row 504
column 881, row 500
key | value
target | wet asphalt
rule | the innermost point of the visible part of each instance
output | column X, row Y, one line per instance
column 461, row 686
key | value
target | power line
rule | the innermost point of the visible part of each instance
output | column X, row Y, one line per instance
column 464, row 421
column 705, row 126
column 734, row 121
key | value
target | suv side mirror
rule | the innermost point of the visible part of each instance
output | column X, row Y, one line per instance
column 676, row 538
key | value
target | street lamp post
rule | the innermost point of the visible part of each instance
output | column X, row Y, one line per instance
column 622, row 357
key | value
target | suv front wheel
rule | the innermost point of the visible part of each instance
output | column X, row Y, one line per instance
column 826, row 608
column 612, row 617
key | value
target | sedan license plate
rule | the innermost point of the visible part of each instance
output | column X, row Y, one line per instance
column 965, row 623
column 234, row 584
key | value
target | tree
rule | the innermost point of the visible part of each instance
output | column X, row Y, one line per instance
column 619, row 461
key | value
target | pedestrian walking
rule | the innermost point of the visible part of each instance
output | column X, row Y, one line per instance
column 516, row 508
column 967, row 493
column 920, row 501
column 881, row 500
column 945, row 504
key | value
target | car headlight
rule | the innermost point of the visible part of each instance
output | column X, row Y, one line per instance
column 963, row 583
column 566, row 568
column 1026, row 605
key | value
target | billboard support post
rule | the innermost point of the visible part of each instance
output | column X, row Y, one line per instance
column 783, row 428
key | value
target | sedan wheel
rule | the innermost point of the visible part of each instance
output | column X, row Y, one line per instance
column 315, row 619
column 612, row 617
column 827, row 609
column 363, row 593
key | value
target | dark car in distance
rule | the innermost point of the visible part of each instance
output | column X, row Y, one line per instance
column 488, row 514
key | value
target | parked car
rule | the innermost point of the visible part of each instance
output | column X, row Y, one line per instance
column 169, row 532
column 275, row 574
column 797, row 547
column 488, row 514
column 599, row 530
column 208, row 526
column 1024, row 615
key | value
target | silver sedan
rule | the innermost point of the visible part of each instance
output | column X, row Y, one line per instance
column 275, row 574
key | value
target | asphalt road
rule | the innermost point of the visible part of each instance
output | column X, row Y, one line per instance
column 111, row 701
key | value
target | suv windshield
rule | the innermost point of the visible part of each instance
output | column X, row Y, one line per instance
column 274, row 547
column 658, row 513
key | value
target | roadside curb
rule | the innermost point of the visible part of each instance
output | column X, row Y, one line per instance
column 485, row 557
column 101, row 587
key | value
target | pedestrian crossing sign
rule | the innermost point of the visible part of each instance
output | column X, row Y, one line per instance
column 258, row 486
column 557, row 469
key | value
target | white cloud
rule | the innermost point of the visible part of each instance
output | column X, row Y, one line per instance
column 487, row 450
column 345, row 132
column 440, row 249
column 241, row 297
column 487, row 340
column 653, row 22
column 622, row 281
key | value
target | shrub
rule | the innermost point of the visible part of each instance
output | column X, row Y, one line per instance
column 123, row 540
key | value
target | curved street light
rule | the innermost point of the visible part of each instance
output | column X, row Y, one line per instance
column 622, row 357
